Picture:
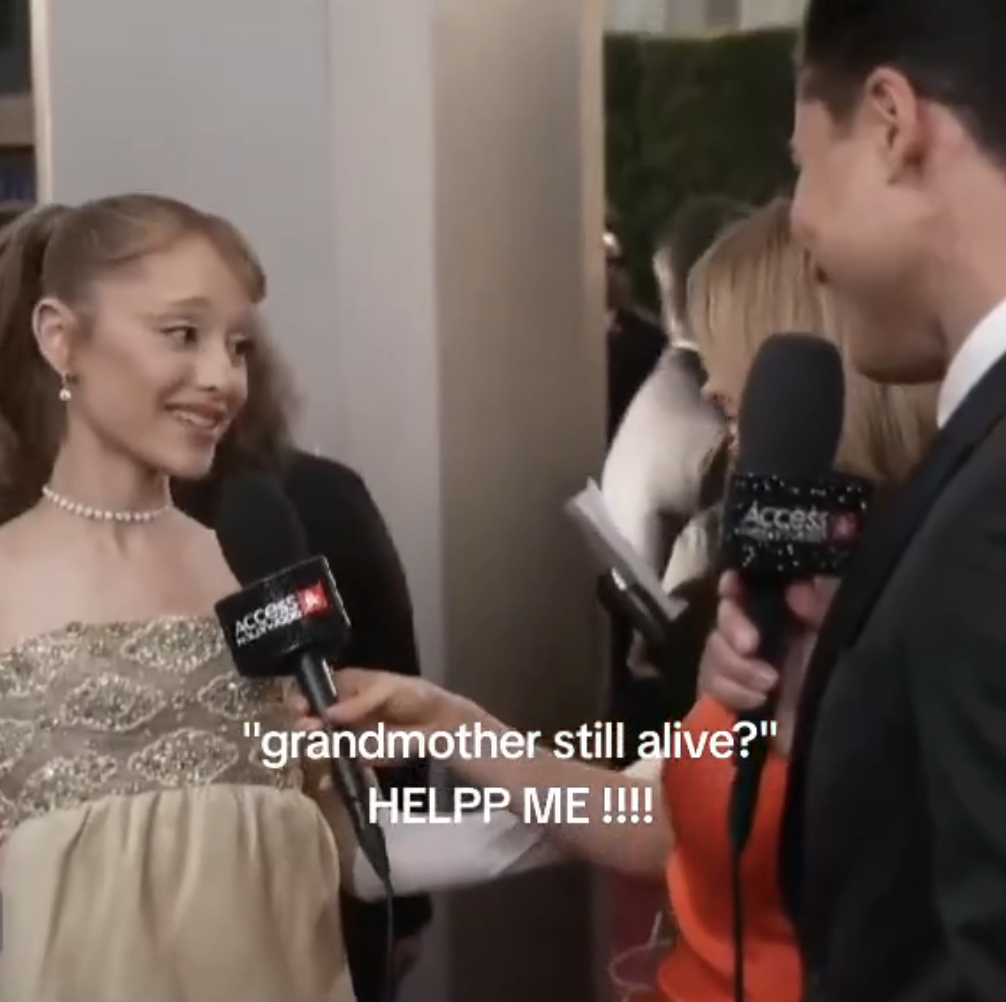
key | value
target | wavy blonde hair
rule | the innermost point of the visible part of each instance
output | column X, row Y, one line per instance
column 755, row 281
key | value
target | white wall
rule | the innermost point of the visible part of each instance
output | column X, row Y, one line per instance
column 657, row 17
column 771, row 13
column 424, row 182
column 696, row 17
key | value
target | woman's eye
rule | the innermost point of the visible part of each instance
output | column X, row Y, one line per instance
column 183, row 333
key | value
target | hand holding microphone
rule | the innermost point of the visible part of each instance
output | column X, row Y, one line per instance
column 731, row 671
column 788, row 520
column 403, row 703
column 790, row 524
column 288, row 620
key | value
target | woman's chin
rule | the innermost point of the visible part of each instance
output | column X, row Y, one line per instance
column 194, row 466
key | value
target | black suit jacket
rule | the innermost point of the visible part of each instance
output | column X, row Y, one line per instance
column 894, row 834
column 343, row 524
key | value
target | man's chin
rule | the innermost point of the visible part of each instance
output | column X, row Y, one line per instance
column 893, row 369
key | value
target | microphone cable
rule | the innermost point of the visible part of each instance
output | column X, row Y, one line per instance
column 743, row 802
column 742, row 806
column 370, row 836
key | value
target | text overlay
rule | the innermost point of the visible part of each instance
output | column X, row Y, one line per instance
column 601, row 742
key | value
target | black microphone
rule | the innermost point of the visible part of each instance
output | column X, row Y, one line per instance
column 787, row 517
column 288, row 619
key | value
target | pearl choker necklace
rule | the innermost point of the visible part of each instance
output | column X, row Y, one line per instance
column 101, row 514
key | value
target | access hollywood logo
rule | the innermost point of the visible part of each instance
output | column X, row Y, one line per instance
column 766, row 523
column 279, row 613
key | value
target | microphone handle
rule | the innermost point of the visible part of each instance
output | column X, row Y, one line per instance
column 348, row 777
column 766, row 608
column 315, row 682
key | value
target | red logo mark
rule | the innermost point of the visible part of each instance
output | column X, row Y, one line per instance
column 844, row 528
column 312, row 600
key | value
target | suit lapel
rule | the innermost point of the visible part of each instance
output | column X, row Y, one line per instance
column 883, row 545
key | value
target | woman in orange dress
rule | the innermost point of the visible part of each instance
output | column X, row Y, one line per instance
column 754, row 281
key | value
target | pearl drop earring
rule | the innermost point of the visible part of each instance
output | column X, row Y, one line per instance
column 64, row 389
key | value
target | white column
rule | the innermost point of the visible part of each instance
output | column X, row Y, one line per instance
column 771, row 13
column 423, row 180
column 637, row 17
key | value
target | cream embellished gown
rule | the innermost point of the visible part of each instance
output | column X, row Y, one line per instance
column 148, row 855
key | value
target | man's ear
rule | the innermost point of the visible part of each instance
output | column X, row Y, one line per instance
column 899, row 116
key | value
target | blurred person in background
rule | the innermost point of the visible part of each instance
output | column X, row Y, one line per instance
column 669, row 445
column 343, row 524
column 689, row 233
column 655, row 464
column 754, row 281
column 634, row 340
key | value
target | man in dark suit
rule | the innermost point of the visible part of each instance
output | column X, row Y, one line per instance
column 343, row 524
column 894, row 834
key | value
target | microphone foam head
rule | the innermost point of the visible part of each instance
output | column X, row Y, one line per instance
column 289, row 605
column 258, row 529
column 793, row 407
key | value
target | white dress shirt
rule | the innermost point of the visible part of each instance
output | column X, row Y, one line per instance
column 474, row 850
column 984, row 346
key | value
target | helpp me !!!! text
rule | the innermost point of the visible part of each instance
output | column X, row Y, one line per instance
column 568, row 804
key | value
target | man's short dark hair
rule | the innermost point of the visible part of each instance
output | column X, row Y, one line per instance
column 690, row 232
column 951, row 51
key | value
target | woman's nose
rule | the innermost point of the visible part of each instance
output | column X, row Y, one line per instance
column 217, row 368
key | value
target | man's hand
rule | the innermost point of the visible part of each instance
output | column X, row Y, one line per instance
column 731, row 673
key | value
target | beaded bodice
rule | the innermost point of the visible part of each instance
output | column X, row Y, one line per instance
column 88, row 711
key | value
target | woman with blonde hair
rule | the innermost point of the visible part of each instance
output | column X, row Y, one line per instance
column 753, row 282
column 757, row 281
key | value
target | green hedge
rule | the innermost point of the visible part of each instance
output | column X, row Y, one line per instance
column 687, row 117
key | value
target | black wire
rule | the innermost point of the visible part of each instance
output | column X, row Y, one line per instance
column 736, row 858
column 374, row 847
column 382, row 867
column 389, row 984
column 743, row 801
